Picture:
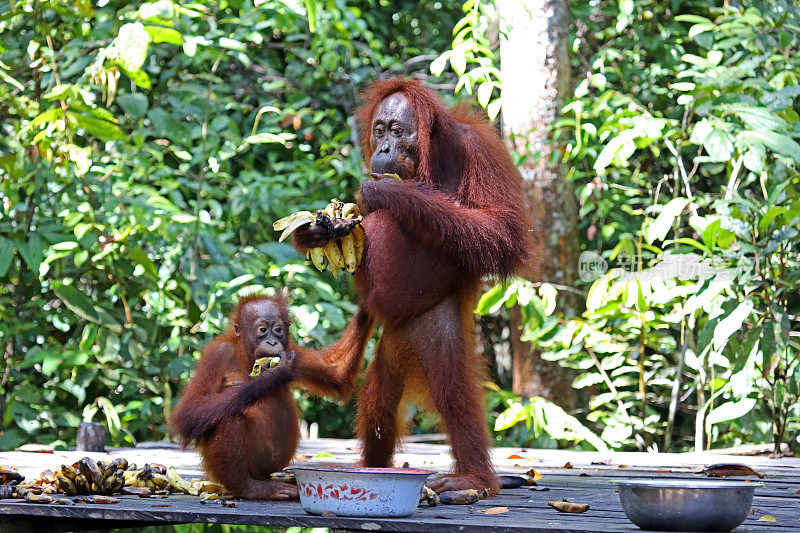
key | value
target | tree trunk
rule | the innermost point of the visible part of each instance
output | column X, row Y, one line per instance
column 535, row 73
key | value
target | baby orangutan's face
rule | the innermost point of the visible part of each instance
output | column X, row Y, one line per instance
column 262, row 329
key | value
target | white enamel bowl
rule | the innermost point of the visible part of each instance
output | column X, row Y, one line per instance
column 378, row 492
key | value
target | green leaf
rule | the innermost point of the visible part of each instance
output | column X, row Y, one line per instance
column 714, row 138
column 129, row 49
column 311, row 11
column 6, row 255
column 112, row 417
column 769, row 216
column 494, row 108
column 659, row 228
column 139, row 255
column 485, row 93
column 168, row 126
column 160, row 34
column 323, row 455
column 697, row 19
column 77, row 302
column 757, row 118
column 777, row 142
column 32, row 251
column 102, row 129
column 458, row 61
column 162, row 9
column 731, row 411
column 769, row 346
column 731, row 324
column 493, row 299
column 134, row 104
column 82, row 306
column 438, row 64
column 618, row 150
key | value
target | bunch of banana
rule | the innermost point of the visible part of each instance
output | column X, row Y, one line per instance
column 90, row 477
column 346, row 247
column 270, row 362
column 151, row 476
column 207, row 490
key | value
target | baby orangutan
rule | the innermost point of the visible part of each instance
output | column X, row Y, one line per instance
column 246, row 428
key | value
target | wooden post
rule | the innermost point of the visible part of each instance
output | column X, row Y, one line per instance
column 91, row 437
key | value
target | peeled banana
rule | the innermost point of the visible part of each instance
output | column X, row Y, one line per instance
column 270, row 362
column 346, row 250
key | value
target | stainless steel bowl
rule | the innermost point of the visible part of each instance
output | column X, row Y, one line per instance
column 686, row 504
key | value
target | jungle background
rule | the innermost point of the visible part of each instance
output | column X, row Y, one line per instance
column 146, row 148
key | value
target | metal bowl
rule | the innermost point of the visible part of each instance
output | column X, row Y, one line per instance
column 686, row 504
column 377, row 492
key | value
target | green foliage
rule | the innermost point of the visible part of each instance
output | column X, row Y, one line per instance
column 471, row 56
column 681, row 140
column 145, row 150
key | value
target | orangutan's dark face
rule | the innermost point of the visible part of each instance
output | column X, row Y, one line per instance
column 394, row 137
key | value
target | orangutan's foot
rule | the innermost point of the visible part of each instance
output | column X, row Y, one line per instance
column 269, row 490
column 488, row 483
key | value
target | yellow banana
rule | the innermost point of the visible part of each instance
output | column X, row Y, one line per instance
column 358, row 242
column 349, row 252
column 299, row 219
column 270, row 362
column 318, row 258
column 160, row 481
column 131, row 477
column 334, row 209
column 176, row 481
column 350, row 211
column 334, row 255
column 203, row 485
column 285, row 221
column 379, row 176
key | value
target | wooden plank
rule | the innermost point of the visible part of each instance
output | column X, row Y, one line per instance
column 528, row 510
column 526, row 513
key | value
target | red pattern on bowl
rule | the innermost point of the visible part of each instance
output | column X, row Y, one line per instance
column 349, row 491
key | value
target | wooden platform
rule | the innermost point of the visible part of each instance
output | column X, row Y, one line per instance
column 527, row 508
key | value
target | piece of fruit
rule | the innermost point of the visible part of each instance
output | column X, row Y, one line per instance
column 358, row 243
column 69, row 471
column 269, row 362
column 334, row 255
column 350, row 211
column 88, row 467
column 159, row 481
column 459, row 497
column 349, row 253
column 82, row 485
column 378, row 176
column 296, row 220
column 569, row 507
column 177, row 482
column 427, row 495
column 317, row 256
column 66, row 485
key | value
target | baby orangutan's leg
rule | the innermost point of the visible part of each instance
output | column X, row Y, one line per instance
column 226, row 456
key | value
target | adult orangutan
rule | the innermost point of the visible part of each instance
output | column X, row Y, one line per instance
column 246, row 427
column 456, row 215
